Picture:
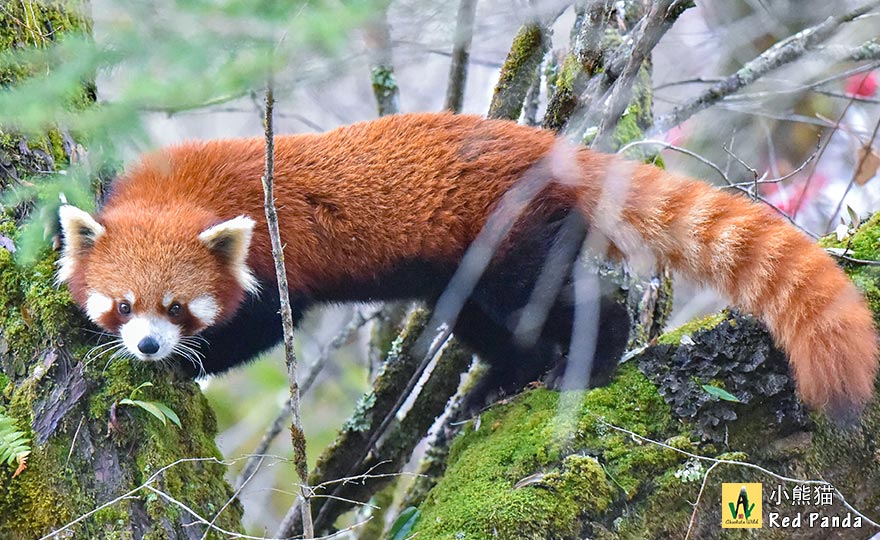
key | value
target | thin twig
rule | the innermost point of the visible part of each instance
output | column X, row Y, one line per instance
column 128, row 494
column 868, row 149
column 697, row 502
column 776, row 179
column 685, row 151
column 73, row 441
column 235, row 496
column 297, row 436
column 230, row 534
column 834, row 128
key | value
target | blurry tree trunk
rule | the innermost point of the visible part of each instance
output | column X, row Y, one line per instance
column 87, row 448
column 378, row 36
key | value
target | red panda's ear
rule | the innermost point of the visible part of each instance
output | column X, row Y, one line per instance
column 80, row 231
column 230, row 241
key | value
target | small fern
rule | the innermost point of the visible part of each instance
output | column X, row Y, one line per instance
column 14, row 449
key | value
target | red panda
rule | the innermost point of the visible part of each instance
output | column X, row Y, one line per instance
column 387, row 209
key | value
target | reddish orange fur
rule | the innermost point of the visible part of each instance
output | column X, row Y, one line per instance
column 356, row 200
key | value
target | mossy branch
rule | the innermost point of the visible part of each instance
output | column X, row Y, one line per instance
column 528, row 49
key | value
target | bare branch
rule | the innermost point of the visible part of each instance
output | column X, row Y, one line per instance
column 283, row 416
column 685, row 151
column 297, row 436
column 783, row 52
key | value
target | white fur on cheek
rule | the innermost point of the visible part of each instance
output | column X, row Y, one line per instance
column 205, row 308
column 97, row 305
column 164, row 332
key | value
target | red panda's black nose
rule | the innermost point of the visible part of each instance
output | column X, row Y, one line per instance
column 148, row 345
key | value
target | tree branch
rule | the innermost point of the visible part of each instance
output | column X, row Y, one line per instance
column 656, row 23
column 283, row 416
column 297, row 436
column 783, row 52
column 528, row 49
column 385, row 87
column 461, row 51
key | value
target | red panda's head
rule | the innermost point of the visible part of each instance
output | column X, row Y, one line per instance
column 155, row 277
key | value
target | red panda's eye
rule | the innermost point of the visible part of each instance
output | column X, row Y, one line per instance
column 124, row 308
column 174, row 310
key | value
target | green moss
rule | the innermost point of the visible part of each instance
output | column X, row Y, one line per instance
column 35, row 312
column 535, row 441
column 665, row 513
column 733, row 456
column 673, row 337
column 520, row 66
column 37, row 316
column 863, row 244
column 510, row 443
column 532, row 440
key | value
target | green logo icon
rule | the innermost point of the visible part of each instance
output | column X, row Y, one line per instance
column 741, row 501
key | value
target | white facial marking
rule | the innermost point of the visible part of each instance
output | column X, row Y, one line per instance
column 167, row 299
column 129, row 296
column 163, row 332
column 205, row 308
column 97, row 305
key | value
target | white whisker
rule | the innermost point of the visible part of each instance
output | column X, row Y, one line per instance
column 185, row 350
column 102, row 349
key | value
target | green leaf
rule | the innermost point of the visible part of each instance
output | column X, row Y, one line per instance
column 148, row 406
column 720, row 393
column 166, row 410
column 142, row 385
column 404, row 524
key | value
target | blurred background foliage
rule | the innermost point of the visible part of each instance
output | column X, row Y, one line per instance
column 170, row 70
